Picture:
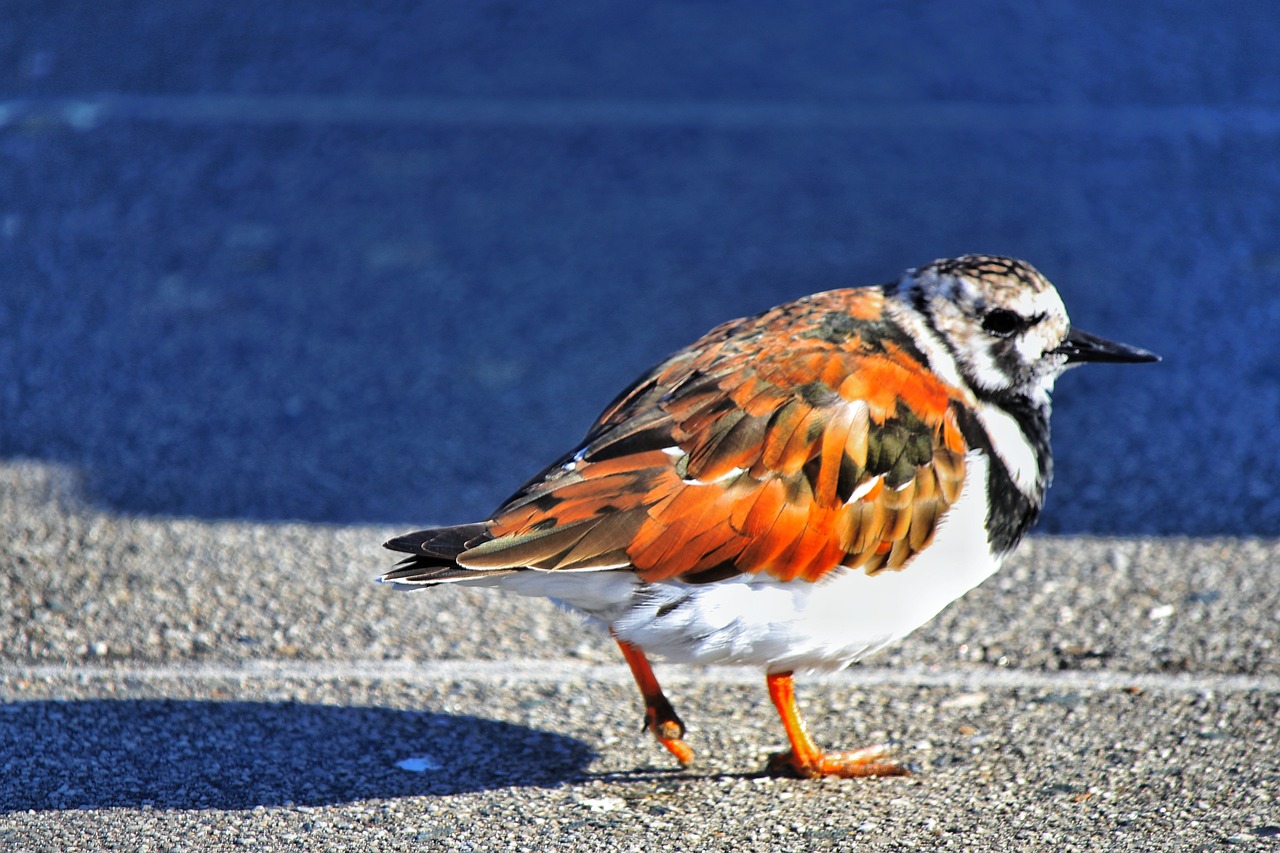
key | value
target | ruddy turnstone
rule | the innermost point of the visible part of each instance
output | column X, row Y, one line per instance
column 796, row 489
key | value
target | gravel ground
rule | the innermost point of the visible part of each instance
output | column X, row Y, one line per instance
column 261, row 690
column 529, row 764
column 86, row 587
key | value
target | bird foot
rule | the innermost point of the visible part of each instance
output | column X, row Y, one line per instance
column 868, row 761
column 660, row 718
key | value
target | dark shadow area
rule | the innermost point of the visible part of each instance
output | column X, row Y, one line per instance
column 212, row 309
column 180, row 754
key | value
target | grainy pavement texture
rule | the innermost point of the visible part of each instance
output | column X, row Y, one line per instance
column 278, row 280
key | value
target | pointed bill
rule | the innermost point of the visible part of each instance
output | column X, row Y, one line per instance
column 1081, row 346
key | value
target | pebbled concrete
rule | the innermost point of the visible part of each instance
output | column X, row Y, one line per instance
column 87, row 587
column 225, row 684
column 537, row 764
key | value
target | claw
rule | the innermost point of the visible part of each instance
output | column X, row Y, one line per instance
column 659, row 717
column 852, row 764
column 805, row 760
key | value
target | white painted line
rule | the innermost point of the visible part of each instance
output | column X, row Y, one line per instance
column 553, row 671
column 90, row 111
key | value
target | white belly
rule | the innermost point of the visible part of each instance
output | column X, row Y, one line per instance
column 758, row 620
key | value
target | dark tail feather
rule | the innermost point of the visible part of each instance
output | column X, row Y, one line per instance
column 435, row 555
column 445, row 543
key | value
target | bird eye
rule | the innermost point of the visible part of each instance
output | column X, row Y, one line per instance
column 1001, row 322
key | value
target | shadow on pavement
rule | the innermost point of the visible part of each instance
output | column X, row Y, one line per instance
column 182, row 754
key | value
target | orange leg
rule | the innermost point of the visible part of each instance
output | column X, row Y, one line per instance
column 804, row 758
column 659, row 717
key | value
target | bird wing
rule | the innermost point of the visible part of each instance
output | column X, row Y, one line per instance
column 808, row 437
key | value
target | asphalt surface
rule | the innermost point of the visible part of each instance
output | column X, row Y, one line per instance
column 378, row 263
column 278, row 281
column 194, row 685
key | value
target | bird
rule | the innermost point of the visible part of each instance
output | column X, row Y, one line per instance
column 796, row 489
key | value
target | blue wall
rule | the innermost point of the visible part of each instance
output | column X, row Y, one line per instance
column 379, row 262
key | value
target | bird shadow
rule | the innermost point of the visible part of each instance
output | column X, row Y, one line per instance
column 184, row 754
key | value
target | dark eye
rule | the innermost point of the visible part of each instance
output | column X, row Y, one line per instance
column 1001, row 322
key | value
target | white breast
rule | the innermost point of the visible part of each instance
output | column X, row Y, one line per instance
column 758, row 620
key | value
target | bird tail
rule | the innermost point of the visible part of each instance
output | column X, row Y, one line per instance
column 433, row 556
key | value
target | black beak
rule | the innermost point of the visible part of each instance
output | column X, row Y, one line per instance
column 1082, row 346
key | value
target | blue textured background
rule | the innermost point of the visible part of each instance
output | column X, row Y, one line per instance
column 379, row 262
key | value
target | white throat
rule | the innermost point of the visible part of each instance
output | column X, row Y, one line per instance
column 1011, row 445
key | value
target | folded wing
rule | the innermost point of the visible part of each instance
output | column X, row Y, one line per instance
column 809, row 437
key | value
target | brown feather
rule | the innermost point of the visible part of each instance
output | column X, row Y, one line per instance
column 793, row 402
column 737, row 445
column 785, row 421
column 605, row 544
column 834, row 440
column 535, row 549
